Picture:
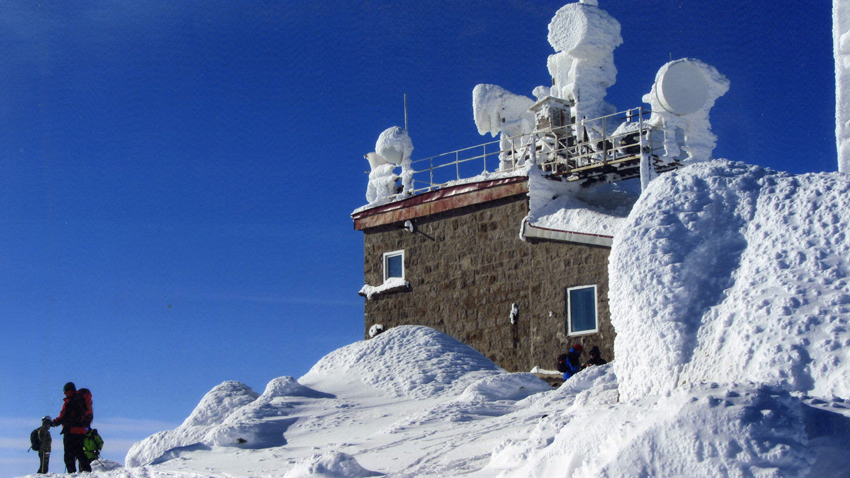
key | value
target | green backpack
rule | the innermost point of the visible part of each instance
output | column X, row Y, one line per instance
column 92, row 444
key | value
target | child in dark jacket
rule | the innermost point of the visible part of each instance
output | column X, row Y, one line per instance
column 46, row 442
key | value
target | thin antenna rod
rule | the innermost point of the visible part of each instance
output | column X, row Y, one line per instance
column 405, row 111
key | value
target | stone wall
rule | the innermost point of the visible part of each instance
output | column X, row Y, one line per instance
column 466, row 267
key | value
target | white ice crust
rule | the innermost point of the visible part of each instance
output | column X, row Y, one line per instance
column 841, row 49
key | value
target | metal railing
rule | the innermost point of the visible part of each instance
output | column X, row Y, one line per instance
column 573, row 151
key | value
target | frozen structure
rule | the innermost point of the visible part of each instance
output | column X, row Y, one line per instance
column 682, row 96
column 569, row 131
column 498, row 111
column 584, row 37
column 524, row 247
column 392, row 149
column 841, row 49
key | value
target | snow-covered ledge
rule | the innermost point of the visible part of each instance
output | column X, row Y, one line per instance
column 393, row 284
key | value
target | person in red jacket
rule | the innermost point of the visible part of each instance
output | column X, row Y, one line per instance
column 75, row 418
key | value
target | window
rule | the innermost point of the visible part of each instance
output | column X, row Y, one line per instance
column 393, row 265
column 581, row 310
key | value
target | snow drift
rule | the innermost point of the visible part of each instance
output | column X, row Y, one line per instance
column 408, row 361
column 728, row 272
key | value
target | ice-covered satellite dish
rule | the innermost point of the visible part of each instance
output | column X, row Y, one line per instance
column 394, row 145
column 375, row 160
column 682, row 89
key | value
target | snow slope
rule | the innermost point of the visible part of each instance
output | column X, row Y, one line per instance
column 731, row 303
column 415, row 402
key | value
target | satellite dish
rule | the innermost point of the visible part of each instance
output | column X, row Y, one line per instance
column 683, row 88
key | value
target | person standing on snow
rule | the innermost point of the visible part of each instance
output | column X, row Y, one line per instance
column 75, row 419
column 45, row 441
column 572, row 362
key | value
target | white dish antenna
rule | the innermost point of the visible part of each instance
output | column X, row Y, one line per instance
column 682, row 89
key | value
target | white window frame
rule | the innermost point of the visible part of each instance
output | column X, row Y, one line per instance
column 595, row 312
column 387, row 255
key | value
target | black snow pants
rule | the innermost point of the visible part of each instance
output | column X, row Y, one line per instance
column 74, row 451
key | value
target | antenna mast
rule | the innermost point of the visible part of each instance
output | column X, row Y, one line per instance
column 405, row 111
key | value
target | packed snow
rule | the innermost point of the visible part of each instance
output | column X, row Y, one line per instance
column 731, row 272
column 729, row 293
column 567, row 206
column 415, row 402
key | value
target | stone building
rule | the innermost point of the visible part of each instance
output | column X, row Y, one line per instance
column 465, row 260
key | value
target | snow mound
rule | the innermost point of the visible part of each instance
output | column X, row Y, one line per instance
column 514, row 387
column 727, row 272
column 231, row 414
column 734, row 431
column 329, row 465
column 406, row 361
column 493, row 396
column 220, row 402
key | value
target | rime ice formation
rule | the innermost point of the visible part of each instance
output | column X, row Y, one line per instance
column 584, row 37
column 392, row 149
column 726, row 272
column 382, row 183
column 841, row 49
column 394, row 145
column 497, row 110
column 681, row 98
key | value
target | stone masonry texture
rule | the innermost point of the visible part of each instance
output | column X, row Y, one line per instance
column 466, row 268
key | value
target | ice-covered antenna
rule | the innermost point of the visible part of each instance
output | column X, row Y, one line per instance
column 405, row 111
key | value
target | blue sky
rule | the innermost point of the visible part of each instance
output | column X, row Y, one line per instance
column 176, row 178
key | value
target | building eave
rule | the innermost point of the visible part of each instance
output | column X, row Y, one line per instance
column 438, row 201
column 530, row 231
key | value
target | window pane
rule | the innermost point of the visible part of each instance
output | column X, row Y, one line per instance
column 394, row 266
column 583, row 309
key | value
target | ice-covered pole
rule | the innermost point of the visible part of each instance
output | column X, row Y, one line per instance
column 584, row 37
column 841, row 49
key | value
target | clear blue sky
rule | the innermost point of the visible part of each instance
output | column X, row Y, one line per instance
column 176, row 178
